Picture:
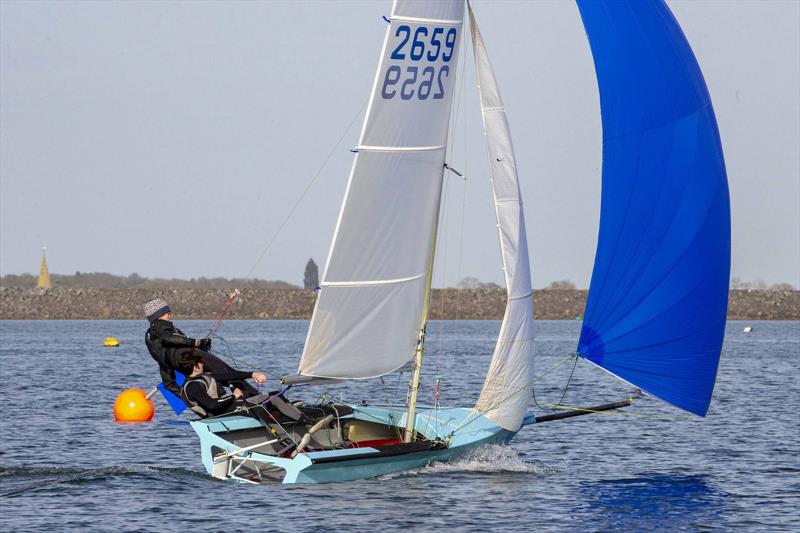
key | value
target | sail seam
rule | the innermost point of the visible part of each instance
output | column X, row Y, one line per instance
column 660, row 125
column 370, row 148
column 370, row 282
column 426, row 20
column 521, row 297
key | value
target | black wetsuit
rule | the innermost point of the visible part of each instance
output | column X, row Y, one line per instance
column 196, row 390
column 166, row 343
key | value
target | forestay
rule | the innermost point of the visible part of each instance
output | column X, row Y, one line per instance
column 368, row 314
column 655, row 314
column 505, row 395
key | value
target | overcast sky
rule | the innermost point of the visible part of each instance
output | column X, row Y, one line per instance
column 172, row 139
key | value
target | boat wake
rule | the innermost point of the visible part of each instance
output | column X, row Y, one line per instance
column 17, row 480
column 490, row 459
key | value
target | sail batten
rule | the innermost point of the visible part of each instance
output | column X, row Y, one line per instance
column 443, row 22
column 371, row 282
column 655, row 313
column 366, row 148
column 505, row 395
column 370, row 306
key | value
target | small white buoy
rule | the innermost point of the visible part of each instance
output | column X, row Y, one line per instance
column 747, row 329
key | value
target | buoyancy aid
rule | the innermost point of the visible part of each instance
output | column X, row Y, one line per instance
column 212, row 389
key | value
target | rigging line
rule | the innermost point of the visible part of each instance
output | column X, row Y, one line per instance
column 514, row 393
column 394, row 398
column 279, row 424
column 223, row 313
column 228, row 352
column 391, row 423
column 460, row 96
column 442, row 271
column 370, row 415
column 305, row 191
column 447, row 216
column 463, row 206
column 239, row 361
column 563, row 394
column 385, row 394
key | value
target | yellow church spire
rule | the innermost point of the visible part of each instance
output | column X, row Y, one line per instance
column 44, row 275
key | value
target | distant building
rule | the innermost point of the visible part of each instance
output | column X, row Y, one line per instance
column 44, row 275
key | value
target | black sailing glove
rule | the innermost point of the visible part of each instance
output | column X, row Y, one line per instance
column 203, row 344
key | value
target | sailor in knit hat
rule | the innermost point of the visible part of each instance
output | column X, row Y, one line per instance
column 166, row 343
column 155, row 309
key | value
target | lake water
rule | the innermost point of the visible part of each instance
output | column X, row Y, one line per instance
column 65, row 465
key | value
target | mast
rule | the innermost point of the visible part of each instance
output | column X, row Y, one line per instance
column 413, row 385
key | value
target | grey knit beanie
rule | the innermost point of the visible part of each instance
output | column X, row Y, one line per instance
column 155, row 308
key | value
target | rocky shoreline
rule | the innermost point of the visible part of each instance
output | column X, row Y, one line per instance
column 459, row 304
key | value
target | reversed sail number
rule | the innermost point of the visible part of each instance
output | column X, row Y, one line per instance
column 417, row 81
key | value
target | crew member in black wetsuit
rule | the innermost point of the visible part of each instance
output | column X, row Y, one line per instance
column 166, row 343
column 204, row 392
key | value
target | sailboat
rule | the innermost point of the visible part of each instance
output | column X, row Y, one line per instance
column 656, row 309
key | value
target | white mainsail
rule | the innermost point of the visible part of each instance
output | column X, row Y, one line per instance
column 505, row 395
column 369, row 311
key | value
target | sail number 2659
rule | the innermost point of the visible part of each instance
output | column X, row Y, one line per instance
column 420, row 82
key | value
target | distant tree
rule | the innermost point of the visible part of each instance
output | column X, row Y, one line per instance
column 18, row 280
column 759, row 285
column 471, row 282
column 104, row 280
column 782, row 287
column 564, row 285
column 311, row 276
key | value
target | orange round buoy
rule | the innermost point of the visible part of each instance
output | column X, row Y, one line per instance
column 133, row 405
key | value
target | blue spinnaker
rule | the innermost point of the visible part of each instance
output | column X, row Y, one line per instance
column 655, row 314
column 174, row 401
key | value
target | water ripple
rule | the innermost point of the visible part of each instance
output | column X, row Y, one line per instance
column 66, row 466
